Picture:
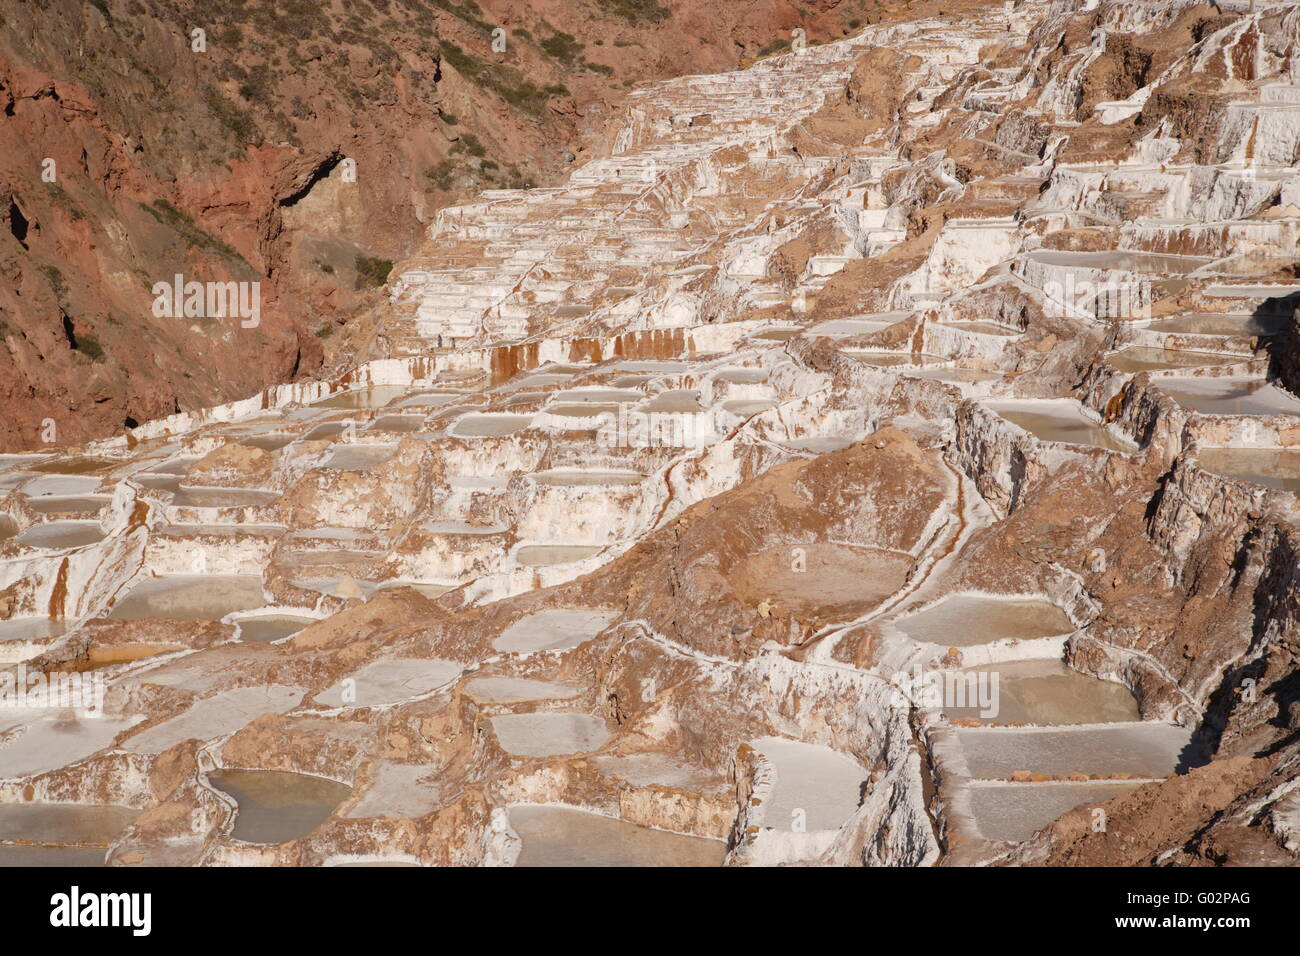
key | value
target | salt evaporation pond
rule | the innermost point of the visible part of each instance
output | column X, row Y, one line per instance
column 364, row 398
column 1218, row 323
column 1059, row 420
column 967, row 620
column 816, row 787
column 1046, row 693
column 489, row 425
column 61, row 534
column 97, row 824
column 275, row 805
column 68, row 504
column 267, row 628
column 1138, row 358
column 1270, row 467
column 549, row 733
column 553, row 630
column 1230, row 396
column 559, row 836
column 190, row 597
column 547, row 555
column 1015, row 811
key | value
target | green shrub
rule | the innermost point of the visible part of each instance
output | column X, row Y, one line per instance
column 372, row 272
column 89, row 346
column 635, row 11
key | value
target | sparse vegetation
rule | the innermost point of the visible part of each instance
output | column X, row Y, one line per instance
column 372, row 272
column 89, row 346
column 636, row 11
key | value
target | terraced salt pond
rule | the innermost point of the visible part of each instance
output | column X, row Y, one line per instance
column 357, row 457
column 1270, row 467
column 1218, row 323
column 68, row 504
column 1059, row 420
column 555, row 629
column 215, row 716
column 548, row 555
column 1153, row 263
column 272, row 441
column 560, row 836
column 389, row 680
column 49, row 856
column 508, row 690
column 1141, row 359
column 574, row 477
column 61, row 534
column 1147, row 749
column 549, row 733
column 1230, row 396
column 196, row 497
column 981, row 326
column 59, row 834
column 276, row 806
column 955, row 375
column 815, row 786
column 1015, row 811
column 364, row 398
column 39, row 741
column 190, row 597
column 892, row 359
column 488, row 425
column 843, row 328
column 1045, row 693
column 675, row 401
column 268, row 628
column 967, row 620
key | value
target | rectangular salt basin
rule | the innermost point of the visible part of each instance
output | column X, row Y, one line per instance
column 64, row 822
column 1041, row 692
column 50, row 856
column 843, row 328
column 68, row 504
column 816, row 786
column 981, row 326
column 489, row 425
column 891, row 359
column 1016, row 811
column 1146, row 749
column 277, row 806
column 547, row 555
column 357, row 457
column 364, row 398
column 1230, row 396
column 1270, row 467
column 1141, row 262
column 1142, row 359
column 560, row 836
column 190, row 597
column 966, row 620
column 61, row 534
column 1059, row 420
column 1218, row 323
